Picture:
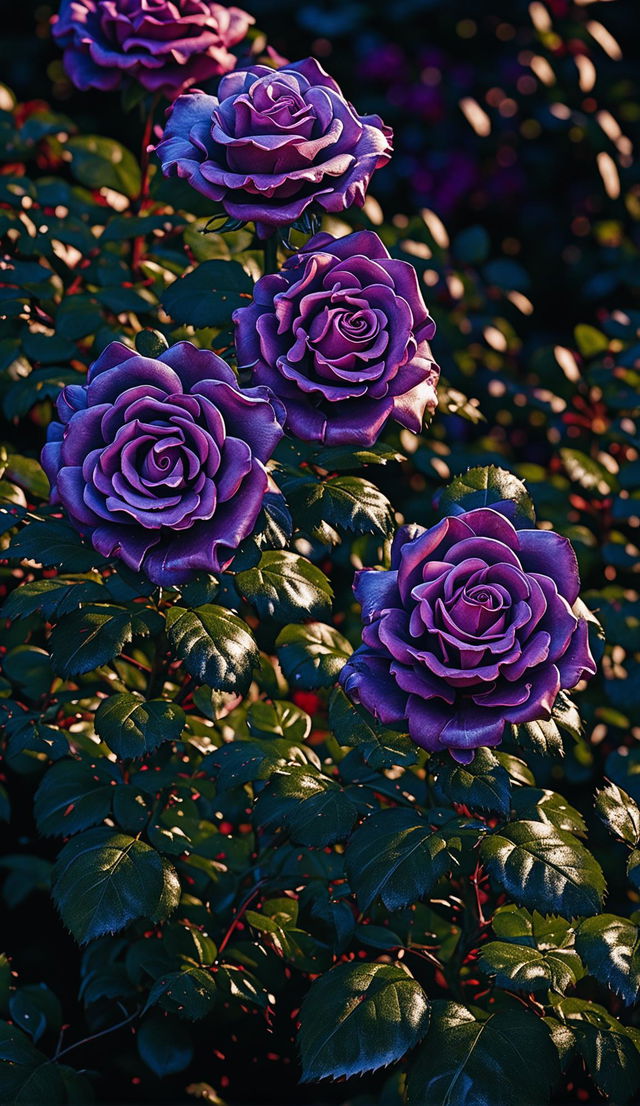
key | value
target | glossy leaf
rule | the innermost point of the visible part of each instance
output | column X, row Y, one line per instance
column 610, row 948
column 132, row 727
column 360, row 1017
column 286, row 586
column 472, row 1058
column 103, row 880
column 396, row 856
column 545, row 868
column 312, row 655
column 215, row 646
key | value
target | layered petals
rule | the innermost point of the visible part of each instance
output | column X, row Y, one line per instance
column 341, row 335
column 163, row 46
column 273, row 143
column 162, row 462
column 473, row 627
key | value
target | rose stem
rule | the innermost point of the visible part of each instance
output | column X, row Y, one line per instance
column 143, row 194
column 271, row 255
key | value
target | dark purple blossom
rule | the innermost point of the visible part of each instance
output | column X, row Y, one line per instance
column 162, row 462
column 341, row 335
column 471, row 628
column 164, row 45
column 273, row 142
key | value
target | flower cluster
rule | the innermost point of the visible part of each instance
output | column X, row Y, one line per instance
column 163, row 462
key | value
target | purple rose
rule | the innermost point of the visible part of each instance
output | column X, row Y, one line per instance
column 162, row 462
column 273, row 142
column 471, row 628
column 341, row 335
column 165, row 45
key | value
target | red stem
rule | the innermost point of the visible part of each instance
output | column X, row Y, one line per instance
column 241, row 910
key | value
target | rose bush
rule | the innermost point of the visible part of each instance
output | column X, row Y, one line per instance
column 162, row 462
column 342, row 335
column 164, row 45
column 240, row 845
column 272, row 143
column 471, row 628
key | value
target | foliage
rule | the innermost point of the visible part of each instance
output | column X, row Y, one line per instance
column 235, row 848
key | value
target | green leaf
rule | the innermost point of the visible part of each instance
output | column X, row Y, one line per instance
column 378, row 747
column 29, row 667
column 395, row 855
column 27, row 1076
column 360, row 1017
column 471, row 1058
column 215, row 646
column 99, row 162
column 132, row 727
column 286, row 586
column 619, row 812
column 481, row 785
column 52, row 543
column 36, row 1010
column 351, row 503
column 77, row 317
column 610, row 948
column 541, row 737
column 73, row 795
column 208, row 295
column 545, row 868
column 28, row 474
column 341, row 457
column 240, row 762
column 191, row 992
column 315, row 809
column 164, row 1044
column 26, row 873
column 547, row 806
column 484, row 487
column 103, row 880
column 522, row 968
column 52, row 598
column 278, row 719
column 312, row 655
column 92, row 636
column 611, row 1051
column 565, row 712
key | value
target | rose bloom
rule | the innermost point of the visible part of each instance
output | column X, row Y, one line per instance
column 165, row 45
column 341, row 335
column 471, row 628
column 162, row 462
column 274, row 142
